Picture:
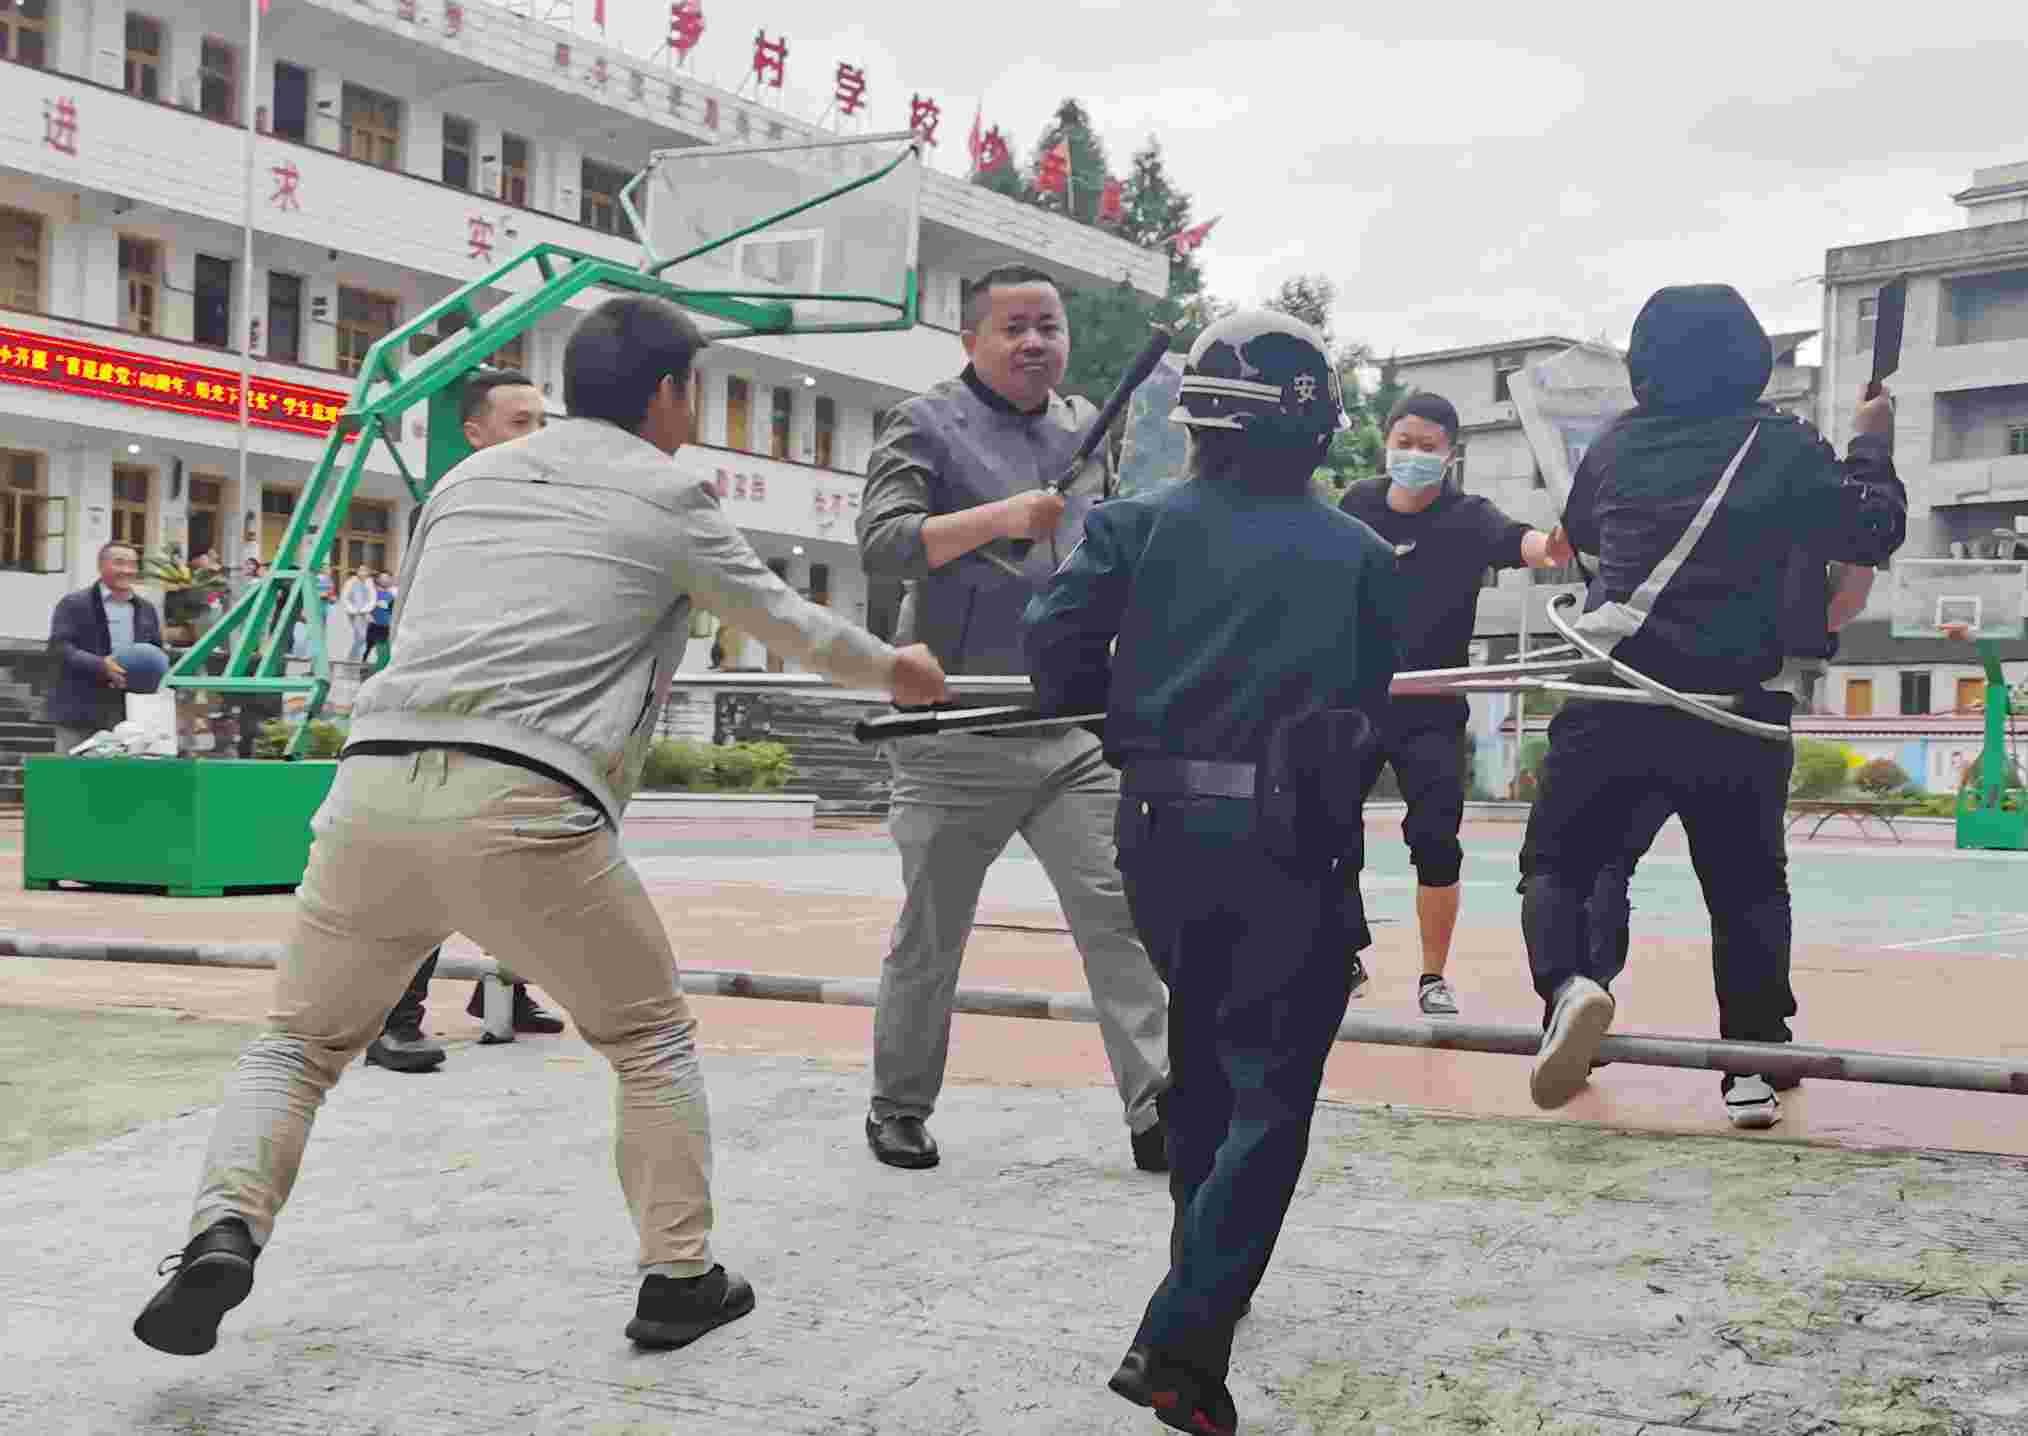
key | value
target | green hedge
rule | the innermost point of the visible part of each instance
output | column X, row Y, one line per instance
column 326, row 738
column 685, row 764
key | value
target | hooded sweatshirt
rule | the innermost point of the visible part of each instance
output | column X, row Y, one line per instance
column 1699, row 362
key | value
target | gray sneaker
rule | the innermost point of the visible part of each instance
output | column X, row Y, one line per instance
column 1437, row 1000
column 1584, row 1011
column 405, row 1049
column 1750, row 1102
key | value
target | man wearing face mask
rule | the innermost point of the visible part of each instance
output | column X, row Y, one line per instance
column 955, row 472
column 1444, row 541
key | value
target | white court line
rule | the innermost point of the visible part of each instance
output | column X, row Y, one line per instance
column 1958, row 937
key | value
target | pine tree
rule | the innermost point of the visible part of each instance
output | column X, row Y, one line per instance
column 1087, row 163
column 1310, row 298
column 1155, row 212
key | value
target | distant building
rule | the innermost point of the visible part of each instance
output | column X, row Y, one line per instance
column 1961, row 392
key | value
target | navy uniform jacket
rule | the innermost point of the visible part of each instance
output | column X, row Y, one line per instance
column 1233, row 609
column 79, row 640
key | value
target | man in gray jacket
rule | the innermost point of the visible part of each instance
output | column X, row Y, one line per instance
column 954, row 472
column 545, row 601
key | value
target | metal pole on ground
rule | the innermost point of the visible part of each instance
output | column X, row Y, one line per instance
column 1777, row 1062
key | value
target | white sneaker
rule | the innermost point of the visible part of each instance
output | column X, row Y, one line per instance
column 1584, row 1011
column 1750, row 1102
column 1437, row 1000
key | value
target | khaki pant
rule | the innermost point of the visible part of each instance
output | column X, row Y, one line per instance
column 409, row 850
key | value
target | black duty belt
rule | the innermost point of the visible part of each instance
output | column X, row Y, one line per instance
column 1187, row 778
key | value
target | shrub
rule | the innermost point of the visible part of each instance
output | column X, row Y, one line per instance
column 1820, row 769
column 680, row 763
column 1882, row 776
column 684, row 764
column 326, row 738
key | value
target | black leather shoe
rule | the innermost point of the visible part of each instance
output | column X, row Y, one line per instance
column 901, row 1141
column 529, row 1015
column 1151, row 1148
column 675, row 1311
column 1182, row 1399
column 211, row 1275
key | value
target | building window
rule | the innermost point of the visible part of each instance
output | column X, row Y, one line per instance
column 1971, row 695
column 23, row 521
column 2017, row 439
column 140, row 279
column 368, row 537
column 363, row 319
column 827, row 430
column 1859, row 698
column 820, row 584
column 514, row 170
column 130, row 505
column 598, row 199
column 1505, row 366
column 780, row 419
column 457, row 152
column 292, row 102
column 1914, row 694
column 278, row 506
column 738, row 403
column 212, row 317
column 372, row 127
column 218, row 81
column 207, row 514
column 24, row 32
column 20, row 259
column 1869, row 316
column 144, row 57
column 285, row 317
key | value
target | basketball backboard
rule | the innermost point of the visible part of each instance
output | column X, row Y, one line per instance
column 1960, row 597
column 1564, row 402
column 827, row 227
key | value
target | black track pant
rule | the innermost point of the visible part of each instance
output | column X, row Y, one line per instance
column 1609, row 768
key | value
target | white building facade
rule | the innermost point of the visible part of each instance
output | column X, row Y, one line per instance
column 403, row 148
column 1961, row 392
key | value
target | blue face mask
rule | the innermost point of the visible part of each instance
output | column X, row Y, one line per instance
column 1414, row 470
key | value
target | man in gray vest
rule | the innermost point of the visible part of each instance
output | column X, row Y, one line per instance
column 955, row 472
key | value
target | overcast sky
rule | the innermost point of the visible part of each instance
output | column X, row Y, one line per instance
column 1466, row 173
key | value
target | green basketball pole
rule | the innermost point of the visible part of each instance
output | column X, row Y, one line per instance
column 404, row 369
column 1995, row 813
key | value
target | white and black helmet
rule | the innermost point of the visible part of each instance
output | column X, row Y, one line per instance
column 1265, row 374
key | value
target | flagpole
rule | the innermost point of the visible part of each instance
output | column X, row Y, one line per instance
column 246, row 278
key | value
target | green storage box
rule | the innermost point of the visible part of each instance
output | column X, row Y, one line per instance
column 191, row 827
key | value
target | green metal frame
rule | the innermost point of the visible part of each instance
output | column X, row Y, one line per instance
column 255, row 630
column 1995, row 813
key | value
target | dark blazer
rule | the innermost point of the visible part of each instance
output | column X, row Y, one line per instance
column 79, row 640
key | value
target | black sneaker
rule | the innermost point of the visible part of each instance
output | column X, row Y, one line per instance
column 1359, row 976
column 1182, row 1399
column 675, row 1311
column 212, row 1275
column 529, row 1015
column 405, row 1049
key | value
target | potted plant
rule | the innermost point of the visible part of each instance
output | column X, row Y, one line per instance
column 187, row 592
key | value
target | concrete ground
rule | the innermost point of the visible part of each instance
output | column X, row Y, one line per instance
column 457, row 1258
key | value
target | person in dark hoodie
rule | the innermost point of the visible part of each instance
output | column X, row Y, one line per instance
column 1692, row 501
column 1255, row 634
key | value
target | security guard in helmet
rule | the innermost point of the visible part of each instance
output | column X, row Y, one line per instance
column 1237, row 632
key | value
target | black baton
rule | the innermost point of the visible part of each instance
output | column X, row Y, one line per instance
column 1009, row 719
